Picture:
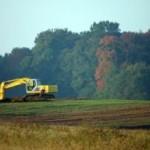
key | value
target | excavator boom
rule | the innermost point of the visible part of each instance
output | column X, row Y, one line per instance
column 11, row 83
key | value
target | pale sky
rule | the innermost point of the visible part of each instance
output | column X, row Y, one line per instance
column 22, row 20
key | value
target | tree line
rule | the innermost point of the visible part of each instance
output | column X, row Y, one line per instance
column 100, row 63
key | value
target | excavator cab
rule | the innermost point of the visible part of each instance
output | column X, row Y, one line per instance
column 32, row 85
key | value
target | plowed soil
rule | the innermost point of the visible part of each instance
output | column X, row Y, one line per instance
column 121, row 117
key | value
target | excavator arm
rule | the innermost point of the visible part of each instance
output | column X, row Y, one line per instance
column 10, row 84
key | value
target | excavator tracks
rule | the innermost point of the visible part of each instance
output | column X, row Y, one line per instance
column 30, row 98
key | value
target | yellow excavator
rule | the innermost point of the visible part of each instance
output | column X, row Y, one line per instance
column 34, row 89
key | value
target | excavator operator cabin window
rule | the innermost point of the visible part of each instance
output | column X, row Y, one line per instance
column 31, row 85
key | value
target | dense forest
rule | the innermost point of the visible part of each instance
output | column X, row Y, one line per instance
column 100, row 63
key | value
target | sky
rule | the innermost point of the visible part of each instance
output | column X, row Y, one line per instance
column 22, row 20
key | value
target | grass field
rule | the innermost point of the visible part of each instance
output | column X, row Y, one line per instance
column 75, row 124
column 33, row 108
column 44, row 137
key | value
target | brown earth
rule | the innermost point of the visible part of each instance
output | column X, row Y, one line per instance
column 127, row 117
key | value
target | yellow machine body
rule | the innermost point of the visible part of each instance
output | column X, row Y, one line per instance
column 33, row 87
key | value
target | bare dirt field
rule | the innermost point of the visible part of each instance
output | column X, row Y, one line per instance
column 138, row 117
